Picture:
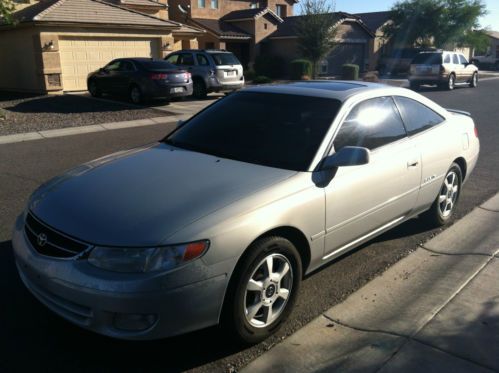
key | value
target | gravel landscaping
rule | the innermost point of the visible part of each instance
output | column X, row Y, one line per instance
column 21, row 113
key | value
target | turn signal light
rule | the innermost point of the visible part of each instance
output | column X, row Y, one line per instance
column 476, row 132
column 195, row 249
column 158, row 76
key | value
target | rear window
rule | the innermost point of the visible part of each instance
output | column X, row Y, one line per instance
column 225, row 59
column 428, row 59
column 152, row 65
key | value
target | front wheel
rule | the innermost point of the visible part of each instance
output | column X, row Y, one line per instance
column 445, row 204
column 94, row 89
column 451, row 82
column 474, row 81
column 136, row 95
column 263, row 290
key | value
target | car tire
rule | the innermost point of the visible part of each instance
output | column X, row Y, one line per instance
column 415, row 86
column 474, row 81
column 199, row 89
column 94, row 89
column 259, row 300
column 451, row 82
column 136, row 95
column 442, row 209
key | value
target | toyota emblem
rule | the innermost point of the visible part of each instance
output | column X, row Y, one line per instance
column 41, row 239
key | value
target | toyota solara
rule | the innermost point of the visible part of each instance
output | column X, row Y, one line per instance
column 218, row 222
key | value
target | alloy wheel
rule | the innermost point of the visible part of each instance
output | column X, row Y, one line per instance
column 452, row 82
column 268, row 290
column 135, row 95
column 448, row 194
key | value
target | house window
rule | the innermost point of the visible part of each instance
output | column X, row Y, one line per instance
column 201, row 3
column 254, row 5
column 214, row 4
column 281, row 10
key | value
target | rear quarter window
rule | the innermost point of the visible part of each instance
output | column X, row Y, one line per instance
column 416, row 116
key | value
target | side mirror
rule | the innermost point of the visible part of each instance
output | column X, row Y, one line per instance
column 347, row 156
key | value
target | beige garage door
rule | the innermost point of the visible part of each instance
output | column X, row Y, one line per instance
column 81, row 55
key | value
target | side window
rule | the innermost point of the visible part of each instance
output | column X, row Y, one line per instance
column 186, row 59
column 417, row 117
column 202, row 60
column 371, row 124
column 447, row 58
column 455, row 59
column 463, row 60
column 201, row 3
column 127, row 66
column 173, row 59
column 113, row 66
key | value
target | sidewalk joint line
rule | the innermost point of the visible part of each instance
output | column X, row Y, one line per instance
column 486, row 209
column 454, row 254
column 435, row 313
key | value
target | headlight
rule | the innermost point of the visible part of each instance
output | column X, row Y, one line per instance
column 146, row 259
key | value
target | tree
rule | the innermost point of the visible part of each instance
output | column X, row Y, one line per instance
column 316, row 30
column 426, row 23
column 6, row 10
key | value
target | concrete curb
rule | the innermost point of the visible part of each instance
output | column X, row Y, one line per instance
column 45, row 134
column 432, row 311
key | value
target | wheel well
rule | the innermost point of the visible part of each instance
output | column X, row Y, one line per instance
column 462, row 165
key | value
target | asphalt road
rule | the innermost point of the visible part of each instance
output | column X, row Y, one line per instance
column 34, row 339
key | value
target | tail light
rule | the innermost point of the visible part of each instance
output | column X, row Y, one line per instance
column 158, row 76
column 187, row 76
column 476, row 132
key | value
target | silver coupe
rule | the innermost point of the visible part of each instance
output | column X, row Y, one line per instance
column 220, row 220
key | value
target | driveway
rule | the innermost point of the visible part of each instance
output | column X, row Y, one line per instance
column 33, row 339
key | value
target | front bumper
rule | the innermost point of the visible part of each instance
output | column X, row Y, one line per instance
column 105, row 302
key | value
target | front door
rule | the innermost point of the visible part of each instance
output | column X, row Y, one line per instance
column 363, row 200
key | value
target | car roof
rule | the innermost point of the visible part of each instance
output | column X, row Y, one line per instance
column 338, row 89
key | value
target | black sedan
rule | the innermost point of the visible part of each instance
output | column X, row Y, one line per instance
column 140, row 78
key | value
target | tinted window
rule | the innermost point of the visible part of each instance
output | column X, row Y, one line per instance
column 447, row 58
column 455, row 59
column 202, row 60
column 225, row 59
column 371, row 124
column 428, row 59
column 173, row 59
column 126, row 66
column 186, row 59
column 158, row 65
column 462, row 60
column 416, row 116
column 245, row 126
column 113, row 66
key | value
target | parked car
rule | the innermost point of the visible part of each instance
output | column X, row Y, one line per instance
column 443, row 68
column 212, row 70
column 140, row 78
column 488, row 60
column 220, row 220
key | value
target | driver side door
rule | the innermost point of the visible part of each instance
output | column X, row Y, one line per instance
column 363, row 200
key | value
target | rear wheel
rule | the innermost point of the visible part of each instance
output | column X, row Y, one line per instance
column 444, row 205
column 474, row 81
column 135, row 94
column 263, row 290
column 94, row 89
column 199, row 89
column 451, row 82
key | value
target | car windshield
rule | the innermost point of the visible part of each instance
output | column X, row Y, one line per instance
column 225, row 59
column 152, row 65
column 270, row 129
column 428, row 59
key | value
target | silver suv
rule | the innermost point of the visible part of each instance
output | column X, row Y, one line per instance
column 212, row 70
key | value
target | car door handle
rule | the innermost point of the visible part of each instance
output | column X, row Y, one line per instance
column 412, row 163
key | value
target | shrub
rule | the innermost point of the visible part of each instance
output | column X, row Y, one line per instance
column 272, row 66
column 262, row 79
column 299, row 69
column 350, row 72
column 250, row 75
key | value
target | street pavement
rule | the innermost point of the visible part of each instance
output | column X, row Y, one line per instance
column 436, row 310
column 34, row 339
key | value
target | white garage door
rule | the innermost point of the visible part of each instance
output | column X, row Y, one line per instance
column 82, row 55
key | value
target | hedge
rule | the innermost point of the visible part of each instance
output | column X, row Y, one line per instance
column 350, row 72
column 298, row 69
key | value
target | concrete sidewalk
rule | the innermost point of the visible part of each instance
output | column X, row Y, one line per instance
column 435, row 311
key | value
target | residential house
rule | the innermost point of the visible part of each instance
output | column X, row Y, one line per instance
column 375, row 21
column 56, row 43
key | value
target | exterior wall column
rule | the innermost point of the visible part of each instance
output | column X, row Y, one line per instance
column 50, row 72
column 167, row 45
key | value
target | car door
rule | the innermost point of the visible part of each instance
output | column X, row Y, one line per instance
column 426, row 128
column 363, row 200
column 202, row 67
column 121, row 80
column 458, row 68
column 107, row 76
column 467, row 69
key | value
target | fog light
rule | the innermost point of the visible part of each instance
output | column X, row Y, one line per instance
column 134, row 321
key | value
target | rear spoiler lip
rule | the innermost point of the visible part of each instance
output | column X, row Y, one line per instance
column 459, row 112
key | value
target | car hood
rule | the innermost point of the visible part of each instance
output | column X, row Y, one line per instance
column 143, row 196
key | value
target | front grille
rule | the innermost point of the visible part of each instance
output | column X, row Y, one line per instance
column 49, row 242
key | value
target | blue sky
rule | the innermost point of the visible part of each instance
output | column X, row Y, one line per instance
column 360, row 6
